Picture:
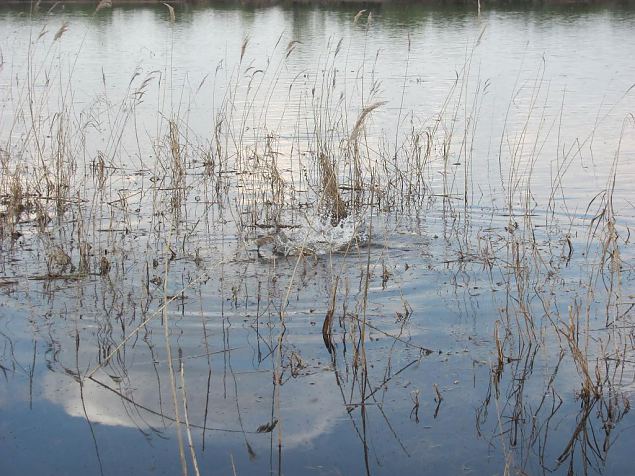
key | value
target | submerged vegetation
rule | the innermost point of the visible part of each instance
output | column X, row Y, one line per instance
column 296, row 267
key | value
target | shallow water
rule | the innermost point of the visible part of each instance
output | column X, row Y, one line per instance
column 486, row 245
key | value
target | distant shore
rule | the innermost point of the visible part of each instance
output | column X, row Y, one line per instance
column 444, row 3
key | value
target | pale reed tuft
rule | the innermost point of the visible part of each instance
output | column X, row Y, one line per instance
column 358, row 16
column 63, row 29
column 103, row 4
column 359, row 124
column 331, row 197
column 171, row 10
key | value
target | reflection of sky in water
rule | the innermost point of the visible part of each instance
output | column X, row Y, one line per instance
column 305, row 416
column 317, row 431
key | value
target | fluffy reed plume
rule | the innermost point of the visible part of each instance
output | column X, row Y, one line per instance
column 359, row 124
column 291, row 47
column 243, row 48
column 358, row 16
column 331, row 198
column 171, row 10
column 103, row 4
column 63, row 29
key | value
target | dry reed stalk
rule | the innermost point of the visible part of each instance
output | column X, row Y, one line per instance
column 438, row 397
column 499, row 348
column 171, row 373
column 178, row 169
column 331, row 193
column 328, row 320
column 243, row 48
column 188, row 430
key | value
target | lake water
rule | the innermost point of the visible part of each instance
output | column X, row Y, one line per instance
column 165, row 199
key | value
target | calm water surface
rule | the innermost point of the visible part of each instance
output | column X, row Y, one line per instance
column 532, row 106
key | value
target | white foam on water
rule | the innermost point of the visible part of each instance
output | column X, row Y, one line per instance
column 318, row 236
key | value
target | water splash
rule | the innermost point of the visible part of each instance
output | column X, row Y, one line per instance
column 318, row 236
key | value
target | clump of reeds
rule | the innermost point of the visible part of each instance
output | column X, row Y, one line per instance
column 331, row 198
column 13, row 201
